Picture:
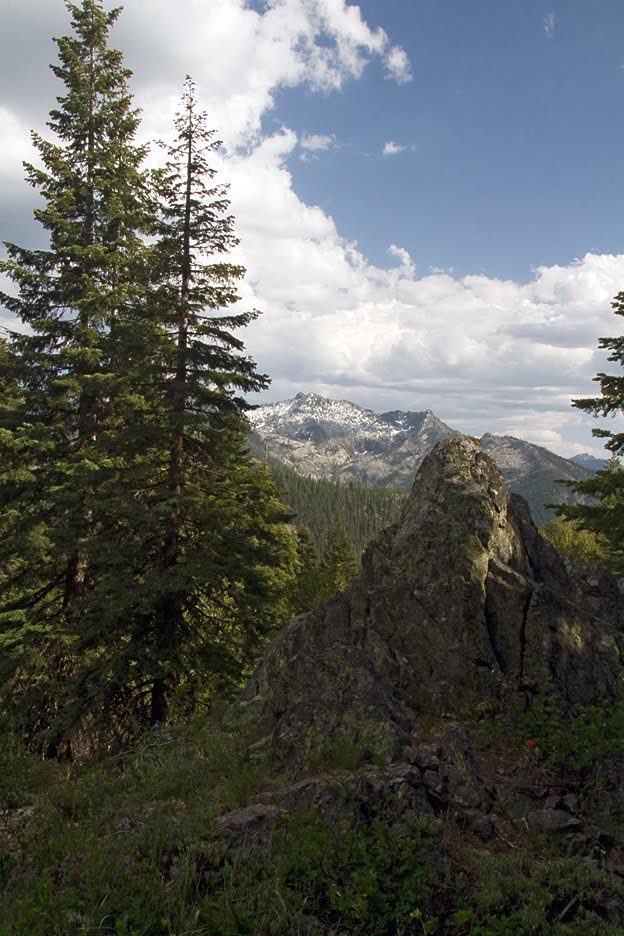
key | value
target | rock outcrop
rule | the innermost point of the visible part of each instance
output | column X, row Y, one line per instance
column 461, row 606
column 462, row 612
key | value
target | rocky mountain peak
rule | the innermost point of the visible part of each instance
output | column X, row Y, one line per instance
column 590, row 462
column 286, row 415
column 338, row 440
column 328, row 438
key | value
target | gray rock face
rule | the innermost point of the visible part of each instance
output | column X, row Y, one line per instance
column 461, row 608
column 460, row 605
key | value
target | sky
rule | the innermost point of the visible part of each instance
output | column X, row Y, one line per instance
column 428, row 193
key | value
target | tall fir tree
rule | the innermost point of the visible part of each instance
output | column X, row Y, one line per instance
column 340, row 562
column 604, row 515
column 202, row 407
column 307, row 590
column 143, row 551
column 69, row 296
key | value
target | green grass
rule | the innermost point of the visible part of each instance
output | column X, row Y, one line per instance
column 125, row 846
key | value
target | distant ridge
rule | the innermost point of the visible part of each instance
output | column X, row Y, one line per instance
column 341, row 441
column 533, row 472
column 590, row 462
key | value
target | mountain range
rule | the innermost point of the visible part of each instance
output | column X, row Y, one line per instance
column 339, row 440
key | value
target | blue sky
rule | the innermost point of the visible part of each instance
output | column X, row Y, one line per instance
column 428, row 193
column 512, row 132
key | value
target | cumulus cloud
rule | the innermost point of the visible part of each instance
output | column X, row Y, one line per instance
column 15, row 144
column 241, row 57
column 398, row 65
column 549, row 24
column 406, row 264
column 391, row 148
column 485, row 354
column 315, row 142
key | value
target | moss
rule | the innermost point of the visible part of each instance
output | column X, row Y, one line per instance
column 352, row 744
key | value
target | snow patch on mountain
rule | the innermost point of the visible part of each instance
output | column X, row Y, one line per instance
column 339, row 418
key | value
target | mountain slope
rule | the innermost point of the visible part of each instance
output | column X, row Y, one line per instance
column 590, row 462
column 339, row 441
column 534, row 472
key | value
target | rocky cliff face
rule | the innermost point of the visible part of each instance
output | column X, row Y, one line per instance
column 460, row 605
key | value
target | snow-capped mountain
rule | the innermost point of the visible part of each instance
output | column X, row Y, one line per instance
column 338, row 440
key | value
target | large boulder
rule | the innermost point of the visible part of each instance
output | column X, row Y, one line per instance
column 460, row 605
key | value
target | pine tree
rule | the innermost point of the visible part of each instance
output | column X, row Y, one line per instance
column 340, row 563
column 575, row 543
column 605, row 515
column 209, row 367
column 70, row 296
column 202, row 562
column 144, row 552
column 307, row 589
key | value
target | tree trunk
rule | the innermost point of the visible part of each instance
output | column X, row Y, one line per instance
column 167, row 615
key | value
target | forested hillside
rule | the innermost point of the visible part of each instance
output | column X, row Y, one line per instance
column 363, row 510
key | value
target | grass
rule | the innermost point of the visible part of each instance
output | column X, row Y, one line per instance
column 125, row 846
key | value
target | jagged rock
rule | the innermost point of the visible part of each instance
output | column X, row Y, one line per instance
column 339, row 794
column 248, row 826
column 460, row 604
column 554, row 820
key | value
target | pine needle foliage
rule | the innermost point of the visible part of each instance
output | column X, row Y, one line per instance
column 605, row 516
column 206, row 550
column 68, row 297
column 144, row 553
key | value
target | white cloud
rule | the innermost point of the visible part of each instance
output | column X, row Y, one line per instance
column 406, row 264
column 240, row 58
column 549, row 24
column 398, row 65
column 15, row 144
column 484, row 354
column 315, row 142
column 391, row 148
